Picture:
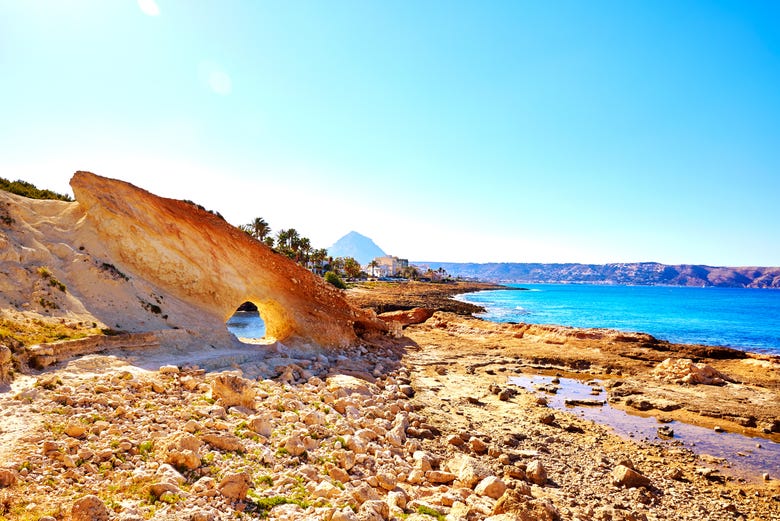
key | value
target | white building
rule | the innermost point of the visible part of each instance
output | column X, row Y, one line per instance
column 387, row 266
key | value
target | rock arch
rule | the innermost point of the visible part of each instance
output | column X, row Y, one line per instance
column 202, row 260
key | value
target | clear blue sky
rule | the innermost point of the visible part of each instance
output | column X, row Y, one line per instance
column 598, row 131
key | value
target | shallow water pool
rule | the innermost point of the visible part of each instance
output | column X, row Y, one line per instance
column 748, row 457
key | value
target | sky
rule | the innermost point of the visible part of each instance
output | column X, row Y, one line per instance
column 517, row 131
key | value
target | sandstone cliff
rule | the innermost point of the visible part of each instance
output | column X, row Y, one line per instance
column 122, row 258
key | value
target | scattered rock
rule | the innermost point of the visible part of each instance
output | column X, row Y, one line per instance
column 374, row 510
column 627, row 477
column 226, row 442
column 685, row 371
column 260, row 425
column 7, row 478
column 345, row 514
column 75, row 429
column 440, row 476
column 230, row 389
column 491, row 486
column 536, row 472
column 235, row 485
column 89, row 508
column 181, row 451
column 408, row 317
column 478, row 446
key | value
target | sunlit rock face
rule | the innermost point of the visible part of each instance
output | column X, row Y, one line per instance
column 202, row 260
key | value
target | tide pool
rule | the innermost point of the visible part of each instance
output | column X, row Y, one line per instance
column 747, row 319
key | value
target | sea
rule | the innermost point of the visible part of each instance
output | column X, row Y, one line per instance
column 246, row 324
column 746, row 319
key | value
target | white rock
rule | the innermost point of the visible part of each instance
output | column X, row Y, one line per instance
column 536, row 472
column 491, row 486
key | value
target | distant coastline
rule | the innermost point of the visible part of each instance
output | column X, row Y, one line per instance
column 635, row 273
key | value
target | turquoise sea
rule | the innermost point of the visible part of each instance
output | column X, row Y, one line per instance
column 747, row 319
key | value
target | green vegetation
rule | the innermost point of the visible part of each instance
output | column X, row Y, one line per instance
column 201, row 207
column 293, row 245
column 29, row 190
column 45, row 273
column 5, row 217
column 265, row 479
column 428, row 511
column 145, row 448
column 261, row 505
column 332, row 278
column 113, row 271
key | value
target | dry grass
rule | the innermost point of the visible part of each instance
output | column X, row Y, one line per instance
column 31, row 331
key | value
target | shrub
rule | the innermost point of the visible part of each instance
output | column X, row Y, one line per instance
column 29, row 190
column 334, row 279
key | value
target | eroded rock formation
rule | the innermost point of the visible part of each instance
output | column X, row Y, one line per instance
column 122, row 259
column 202, row 260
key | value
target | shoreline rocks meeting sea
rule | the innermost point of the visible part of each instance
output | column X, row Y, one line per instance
column 419, row 426
column 400, row 409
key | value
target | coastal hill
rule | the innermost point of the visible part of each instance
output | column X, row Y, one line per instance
column 357, row 246
column 639, row 273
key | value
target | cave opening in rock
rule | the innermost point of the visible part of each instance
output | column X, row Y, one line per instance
column 247, row 324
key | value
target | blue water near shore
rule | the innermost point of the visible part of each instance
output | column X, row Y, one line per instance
column 246, row 324
column 747, row 319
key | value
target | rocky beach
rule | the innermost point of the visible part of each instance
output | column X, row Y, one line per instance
column 419, row 426
column 397, row 408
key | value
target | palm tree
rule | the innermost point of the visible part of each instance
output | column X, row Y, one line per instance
column 288, row 241
column 373, row 265
column 351, row 267
column 318, row 257
column 302, row 251
column 260, row 228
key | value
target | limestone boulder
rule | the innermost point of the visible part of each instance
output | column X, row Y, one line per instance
column 89, row 508
column 230, row 389
column 536, row 473
column 468, row 470
column 408, row 317
column 7, row 478
column 235, row 485
column 491, row 486
column 626, row 477
column 181, row 451
column 685, row 371
column 344, row 385
column 226, row 442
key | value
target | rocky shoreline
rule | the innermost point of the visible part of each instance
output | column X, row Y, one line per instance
column 418, row 427
column 750, row 404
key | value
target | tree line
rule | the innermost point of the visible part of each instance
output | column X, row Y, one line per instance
column 293, row 245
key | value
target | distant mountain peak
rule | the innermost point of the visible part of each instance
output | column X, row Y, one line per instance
column 357, row 246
